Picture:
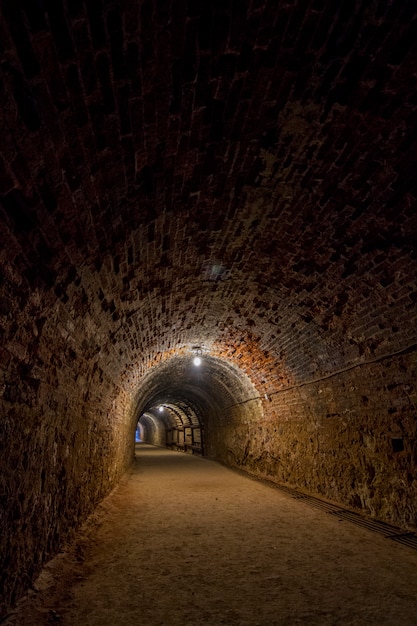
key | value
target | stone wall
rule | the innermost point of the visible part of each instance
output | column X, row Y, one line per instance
column 63, row 441
column 350, row 437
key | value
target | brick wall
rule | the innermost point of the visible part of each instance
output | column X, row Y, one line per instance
column 350, row 438
column 239, row 177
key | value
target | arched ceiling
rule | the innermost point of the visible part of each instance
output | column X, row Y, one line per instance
column 237, row 175
column 179, row 386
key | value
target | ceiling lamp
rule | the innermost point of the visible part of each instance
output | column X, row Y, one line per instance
column 197, row 352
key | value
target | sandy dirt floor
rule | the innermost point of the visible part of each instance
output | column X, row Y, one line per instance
column 185, row 541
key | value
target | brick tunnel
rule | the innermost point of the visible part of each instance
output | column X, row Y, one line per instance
column 230, row 180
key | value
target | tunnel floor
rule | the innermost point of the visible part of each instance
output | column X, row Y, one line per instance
column 184, row 541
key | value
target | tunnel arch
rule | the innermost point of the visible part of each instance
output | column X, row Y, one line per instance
column 175, row 426
column 200, row 402
column 150, row 429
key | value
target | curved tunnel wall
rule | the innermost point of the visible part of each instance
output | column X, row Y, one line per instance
column 248, row 188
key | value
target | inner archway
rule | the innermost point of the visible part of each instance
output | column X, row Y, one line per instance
column 191, row 408
column 176, row 426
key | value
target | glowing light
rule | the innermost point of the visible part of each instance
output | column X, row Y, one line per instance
column 197, row 361
column 161, row 408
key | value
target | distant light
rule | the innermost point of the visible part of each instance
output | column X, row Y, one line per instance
column 161, row 408
column 197, row 361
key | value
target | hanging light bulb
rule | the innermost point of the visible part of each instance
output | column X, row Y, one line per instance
column 197, row 351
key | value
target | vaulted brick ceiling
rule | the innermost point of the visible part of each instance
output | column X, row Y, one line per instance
column 233, row 175
column 237, row 176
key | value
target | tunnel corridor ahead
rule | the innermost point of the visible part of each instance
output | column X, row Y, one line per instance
column 186, row 541
column 188, row 401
